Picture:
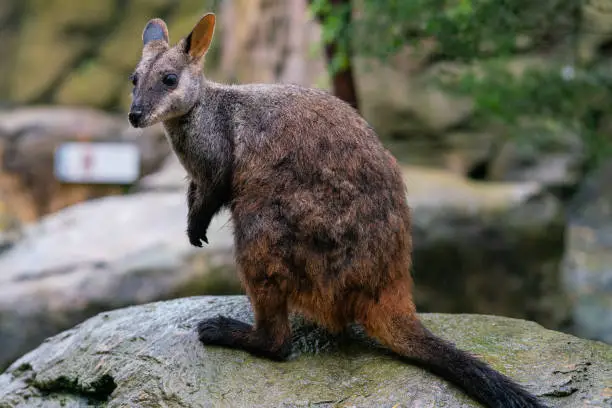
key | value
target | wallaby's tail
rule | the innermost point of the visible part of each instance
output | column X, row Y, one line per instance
column 474, row 376
column 406, row 336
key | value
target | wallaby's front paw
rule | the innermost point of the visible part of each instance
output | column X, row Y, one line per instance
column 196, row 237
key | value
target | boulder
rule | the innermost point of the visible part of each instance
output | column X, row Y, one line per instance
column 28, row 139
column 104, row 254
column 150, row 356
column 479, row 248
column 587, row 266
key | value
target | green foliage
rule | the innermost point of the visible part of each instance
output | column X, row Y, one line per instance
column 335, row 29
column 463, row 29
column 481, row 35
column 554, row 96
column 543, row 92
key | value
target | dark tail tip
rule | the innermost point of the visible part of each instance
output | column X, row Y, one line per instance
column 475, row 377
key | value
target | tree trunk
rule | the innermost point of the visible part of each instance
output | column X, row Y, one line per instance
column 343, row 81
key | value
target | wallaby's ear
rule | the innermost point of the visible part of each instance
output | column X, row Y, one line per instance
column 155, row 30
column 198, row 41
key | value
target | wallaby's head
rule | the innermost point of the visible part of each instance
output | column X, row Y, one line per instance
column 168, row 79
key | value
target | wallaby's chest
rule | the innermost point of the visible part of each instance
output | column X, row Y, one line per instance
column 188, row 160
column 197, row 153
column 192, row 157
column 185, row 150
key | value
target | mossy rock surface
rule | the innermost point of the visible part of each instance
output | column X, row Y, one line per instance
column 149, row 356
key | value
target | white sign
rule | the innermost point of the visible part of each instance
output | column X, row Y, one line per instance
column 97, row 163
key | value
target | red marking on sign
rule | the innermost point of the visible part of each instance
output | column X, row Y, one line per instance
column 87, row 160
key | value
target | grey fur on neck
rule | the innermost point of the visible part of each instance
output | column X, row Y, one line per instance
column 199, row 137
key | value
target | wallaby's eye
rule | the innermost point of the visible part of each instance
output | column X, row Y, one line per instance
column 134, row 79
column 170, row 80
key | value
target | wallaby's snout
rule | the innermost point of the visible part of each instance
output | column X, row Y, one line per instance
column 168, row 80
column 135, row 115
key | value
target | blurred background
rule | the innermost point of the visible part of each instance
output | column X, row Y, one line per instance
column 499, row 112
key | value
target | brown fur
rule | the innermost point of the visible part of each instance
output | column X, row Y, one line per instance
column 322, row 226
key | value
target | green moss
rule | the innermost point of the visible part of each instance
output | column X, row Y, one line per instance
column 98, row 391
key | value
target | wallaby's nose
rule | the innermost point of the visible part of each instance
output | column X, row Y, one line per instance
column 134, row 117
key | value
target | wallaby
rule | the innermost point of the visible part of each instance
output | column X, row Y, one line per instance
column 321, row 220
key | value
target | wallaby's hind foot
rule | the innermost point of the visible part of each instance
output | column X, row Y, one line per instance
column 270, row 337
column 227, row 332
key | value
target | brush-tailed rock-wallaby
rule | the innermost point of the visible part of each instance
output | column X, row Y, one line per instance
column 322, row 226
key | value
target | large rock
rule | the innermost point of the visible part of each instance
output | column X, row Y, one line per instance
column 587, row 264
column 479, row 248
column 29, row 138
column 149, row 356
column 105, row 254
column 401, row 104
